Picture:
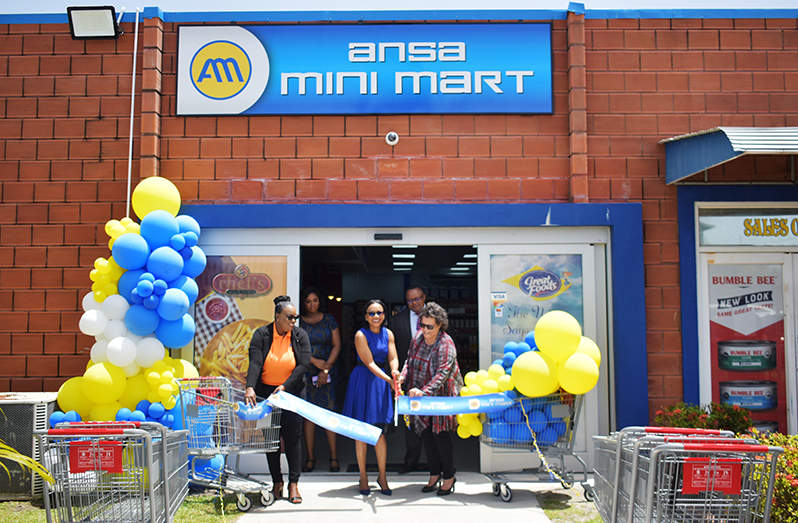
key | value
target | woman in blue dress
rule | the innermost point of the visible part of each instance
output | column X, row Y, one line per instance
column 321, row 378
column 369, row 395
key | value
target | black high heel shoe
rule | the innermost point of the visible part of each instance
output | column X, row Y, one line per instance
column 429, row 488
column 446, row 492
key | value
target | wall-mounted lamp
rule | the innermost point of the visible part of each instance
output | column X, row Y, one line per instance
column 88, row 23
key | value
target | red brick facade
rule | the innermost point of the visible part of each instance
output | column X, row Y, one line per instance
column 620, row 86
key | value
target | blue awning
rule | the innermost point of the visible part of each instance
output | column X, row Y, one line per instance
column 689, row 154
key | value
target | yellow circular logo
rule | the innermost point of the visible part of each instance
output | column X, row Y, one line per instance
column 220, row 70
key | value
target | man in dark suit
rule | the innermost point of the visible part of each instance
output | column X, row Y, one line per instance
column 405, row 326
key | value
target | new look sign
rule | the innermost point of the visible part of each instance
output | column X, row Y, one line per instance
column 365, row 69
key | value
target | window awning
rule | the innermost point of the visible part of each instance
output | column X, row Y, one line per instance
column 692, row 153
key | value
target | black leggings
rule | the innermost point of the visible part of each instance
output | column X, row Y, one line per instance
column 291, row 434
column 440, row 455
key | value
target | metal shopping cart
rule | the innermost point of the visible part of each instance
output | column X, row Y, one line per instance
column 545, row 425
column 689, row 476
column 209, row 407
column 114, row 472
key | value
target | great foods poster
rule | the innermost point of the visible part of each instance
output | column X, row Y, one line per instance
column 236, row 297
column 746, row 331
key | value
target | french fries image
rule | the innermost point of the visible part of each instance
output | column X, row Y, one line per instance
column 227, row 354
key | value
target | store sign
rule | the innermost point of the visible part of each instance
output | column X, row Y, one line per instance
column 365, row 69
column 748, row 228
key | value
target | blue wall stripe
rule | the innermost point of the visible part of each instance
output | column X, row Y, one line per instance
column 688, row 195
column 623, row 219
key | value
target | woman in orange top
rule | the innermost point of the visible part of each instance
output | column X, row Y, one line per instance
column 279, row 356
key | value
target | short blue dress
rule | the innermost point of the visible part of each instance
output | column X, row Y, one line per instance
column 368, row 398
column 320, row 334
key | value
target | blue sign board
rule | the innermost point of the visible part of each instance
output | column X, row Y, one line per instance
column 365, row 69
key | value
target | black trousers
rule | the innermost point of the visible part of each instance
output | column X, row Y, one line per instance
column 440, row 454
column 413, row 445
column 291, row 434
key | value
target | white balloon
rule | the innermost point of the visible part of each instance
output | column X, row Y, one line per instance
column 93, row 322
column 131, row 370
column 121, row 352
column 101, row 337
column 89, row 303
column 135, row 337
column 115, row 307
column 99, row 352
column 115, row 329
column 148, row 351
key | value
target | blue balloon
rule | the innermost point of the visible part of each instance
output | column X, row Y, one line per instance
column 150, row 419
column 147, row 276
column 191, row 238
column 71, row 417
column 188, row 286
column 558, row 426
column 135, row 299
column 159, row 287
column 165, row 264
column 513, row 414
column 196, row 264
column 156, row 410
column 510, row 346
column 158, row 227
column 123, row 414
column 143, row 406
column 176, row 334
column 151, row 302
column 128, row 282
column 177, row 242
column 526, row 404
column 510, row 394
column 185, row 252
column 187, row 223
column 141, row 321
column 137, row 415
column 144, row 288
column 538, row 421
column 497, row 362
column 530, row 339
column 521, row 433
column 508, row 359
column 547, row 438
column 130, row 251
column 55, row 418
column 174, row 304
column 522, row 348
column 167, row 420
column 500, row 433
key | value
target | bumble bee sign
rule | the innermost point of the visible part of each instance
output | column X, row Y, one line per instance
column 365, row 69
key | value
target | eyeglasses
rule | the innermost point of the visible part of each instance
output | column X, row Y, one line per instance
column 415, row 300
column 292, row 318
column 427, row 327
column 378, row 313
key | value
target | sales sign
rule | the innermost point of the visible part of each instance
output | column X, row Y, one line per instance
column 365, row 69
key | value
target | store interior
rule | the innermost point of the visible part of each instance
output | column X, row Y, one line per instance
column 350, row 276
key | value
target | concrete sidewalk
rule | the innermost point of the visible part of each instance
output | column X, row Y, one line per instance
column 335, row 498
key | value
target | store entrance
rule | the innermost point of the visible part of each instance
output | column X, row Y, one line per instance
column 349, row 276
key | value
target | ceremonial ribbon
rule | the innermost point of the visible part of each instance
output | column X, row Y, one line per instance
column 451, row 405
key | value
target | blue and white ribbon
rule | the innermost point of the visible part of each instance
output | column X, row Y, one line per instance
column 256, row 412
column 451, row 405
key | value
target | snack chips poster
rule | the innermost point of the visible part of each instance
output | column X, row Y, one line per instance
column 236, row 298
column 746, row 332
column 524, row 287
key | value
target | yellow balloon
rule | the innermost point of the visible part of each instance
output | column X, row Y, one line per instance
column 133, row 227
column 465, row 419
column 495, row 371
column 589, row 347
column 482, row 375
column 154, row 379
column 557, row 334
column 99, row 296
column 505, row 383
column 136, row 390
column 110, row 225
column 470, row 378
column 474, row 389
column 105, row 412
column 153, row 194
column 94, row 275
column 475, row 427
column 579, row 374
column 159, row 366
column 72, row 397
column 489, row 387
column 117, row 231
column 170, row 402
column 101, row 264
column 165, row 390
column 184, row 369
column 153, row 397
column 126, row 221
column 166, row 377
column 463, row 432
column 104, row 383
column 535, row 374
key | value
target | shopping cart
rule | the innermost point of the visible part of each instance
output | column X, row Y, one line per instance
column 686, row 478
column 114, row 472
column 209, row 407
column 545, row 425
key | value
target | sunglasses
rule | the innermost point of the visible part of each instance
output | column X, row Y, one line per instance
column 427, row 327
column 415, row 300
column 378, row 313
column 292, row 318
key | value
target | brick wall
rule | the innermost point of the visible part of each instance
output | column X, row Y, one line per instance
column 620, row 86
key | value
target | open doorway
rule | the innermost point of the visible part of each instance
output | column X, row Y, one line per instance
column 350, row 276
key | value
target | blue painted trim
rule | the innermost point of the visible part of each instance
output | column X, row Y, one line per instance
column 624, row 220
column 402, row 16
column 688, row 195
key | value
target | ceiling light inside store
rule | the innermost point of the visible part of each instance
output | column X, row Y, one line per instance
column 405, row 246
column 403, row 268
column 459, row 269
column 402, row 263
column 469, row 255
column 87, row 23
column 466, row 263
column 404, row 255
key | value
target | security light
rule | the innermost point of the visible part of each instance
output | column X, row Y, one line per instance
column 90, row 22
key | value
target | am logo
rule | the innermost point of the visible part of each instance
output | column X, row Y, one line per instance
column 221, row 69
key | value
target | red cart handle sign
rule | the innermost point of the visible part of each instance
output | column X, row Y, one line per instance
column 100, row 455
column 704, row 475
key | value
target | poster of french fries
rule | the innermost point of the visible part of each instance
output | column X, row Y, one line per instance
column 236, row 298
